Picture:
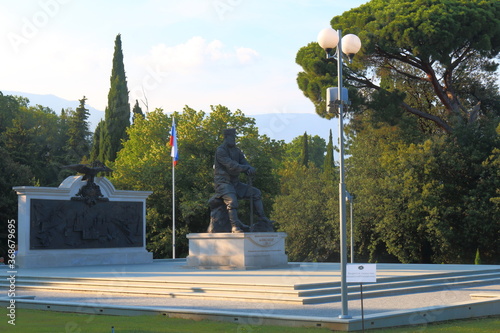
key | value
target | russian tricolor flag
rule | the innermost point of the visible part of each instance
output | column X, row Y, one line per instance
column 173, row 143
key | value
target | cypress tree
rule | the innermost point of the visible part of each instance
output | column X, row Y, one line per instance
column 304, row 158
column 117, row 113
column 137, row 112
column 95, row 153
column 328, row 166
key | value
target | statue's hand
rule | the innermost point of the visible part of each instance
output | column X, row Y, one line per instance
column 251, row 171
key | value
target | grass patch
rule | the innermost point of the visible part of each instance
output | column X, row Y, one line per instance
column 41, row 321
column 476, row 325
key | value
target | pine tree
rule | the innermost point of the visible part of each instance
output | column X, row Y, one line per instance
column 78, row 145
column 117, row 113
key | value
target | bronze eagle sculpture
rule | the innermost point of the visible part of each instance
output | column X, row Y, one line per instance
column 89, row 170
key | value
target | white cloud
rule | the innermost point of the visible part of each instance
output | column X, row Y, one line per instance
column 196, row 54
column 246, row 55
column 195, row 69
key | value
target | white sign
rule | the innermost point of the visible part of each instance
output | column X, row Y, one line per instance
column 361, row 273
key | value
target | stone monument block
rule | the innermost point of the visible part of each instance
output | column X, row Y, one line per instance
column 237, row 250
column 61, row 227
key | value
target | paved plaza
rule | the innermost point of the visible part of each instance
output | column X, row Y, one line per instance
column 432, row 293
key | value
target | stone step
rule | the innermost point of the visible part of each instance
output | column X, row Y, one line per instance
column 391, row 283
column 205, row 294
column 312, row 293
column 149, row 285
column 402, row 279
column 160, row 289
column 354, row 291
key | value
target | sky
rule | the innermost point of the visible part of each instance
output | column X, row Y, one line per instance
column 237, row 53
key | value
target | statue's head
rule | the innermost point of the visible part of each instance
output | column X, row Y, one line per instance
column 230, row 137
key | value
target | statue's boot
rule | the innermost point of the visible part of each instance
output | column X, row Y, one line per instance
column 263, row 223
column 236, row 225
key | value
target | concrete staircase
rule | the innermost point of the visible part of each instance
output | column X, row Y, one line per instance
column 307, row 293
column 315, row 294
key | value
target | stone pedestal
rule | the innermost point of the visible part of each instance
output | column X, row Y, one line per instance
column 237, row 251
column 55, row 228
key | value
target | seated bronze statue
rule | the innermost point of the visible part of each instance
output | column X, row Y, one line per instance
column 229, row 164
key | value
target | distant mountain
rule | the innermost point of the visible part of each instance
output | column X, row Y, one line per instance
column 278, row 126
column 287, row 126
column 58, row 103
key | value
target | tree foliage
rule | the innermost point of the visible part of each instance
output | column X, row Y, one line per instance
column 36, row 138
column 78, row 133
column 436, row 59
column 137, row 111
column 34, row 144
column 493, row 163
column 304, row 155
column 329, row 164
column 305, row 149
column 117, row 113
column 426, row 201
column 422, row 147
column 306, row 211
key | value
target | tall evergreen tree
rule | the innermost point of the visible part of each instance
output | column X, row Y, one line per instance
column 136, row 112
column 95, row 153
column 328, row 166
column 304, row 158
column 117, row 113
column 316, row 147
column 78, row 133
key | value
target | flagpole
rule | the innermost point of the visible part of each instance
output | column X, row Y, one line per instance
column 173, row 208
column 173, row 144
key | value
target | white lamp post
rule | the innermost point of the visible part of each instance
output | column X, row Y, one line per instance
column 350, row 198
column 328, row 39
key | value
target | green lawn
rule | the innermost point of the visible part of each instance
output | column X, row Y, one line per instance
column 480, row 325
column 38, row 321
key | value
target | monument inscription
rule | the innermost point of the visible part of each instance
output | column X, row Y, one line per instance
column 265, row 240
